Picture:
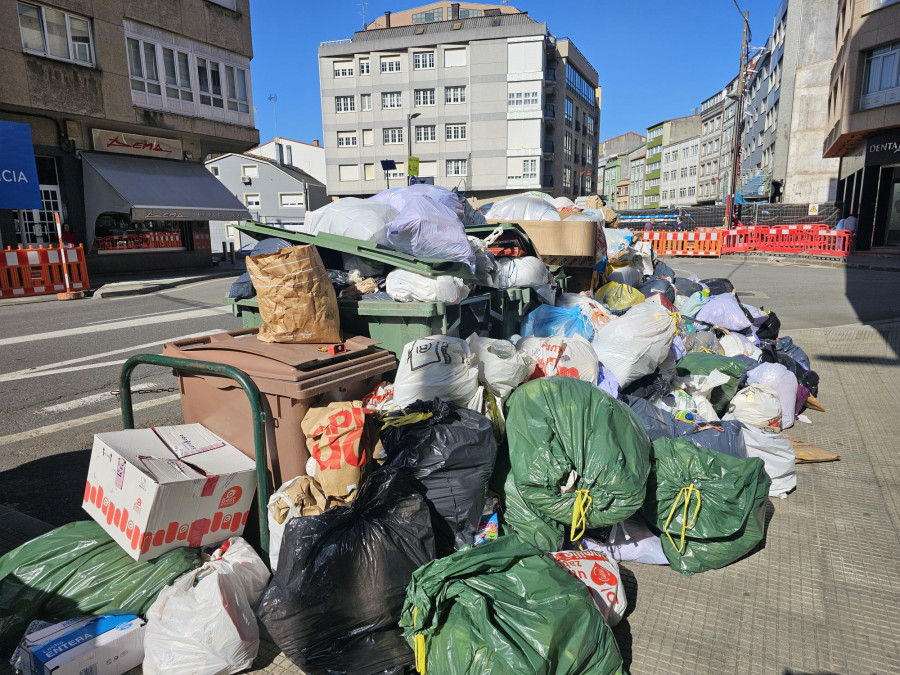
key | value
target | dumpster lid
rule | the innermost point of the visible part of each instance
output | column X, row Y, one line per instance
column 270, row 360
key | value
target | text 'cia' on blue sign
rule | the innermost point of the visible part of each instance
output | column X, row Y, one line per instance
column 19, row 187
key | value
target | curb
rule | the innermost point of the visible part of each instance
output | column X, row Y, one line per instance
column 789, row 260
column 128, row 288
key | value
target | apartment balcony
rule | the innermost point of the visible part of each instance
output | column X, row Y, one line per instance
column 549, row 149
column 547, row 181
column 577, row 126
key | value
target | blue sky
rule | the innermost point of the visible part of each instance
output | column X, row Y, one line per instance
column 657, row 59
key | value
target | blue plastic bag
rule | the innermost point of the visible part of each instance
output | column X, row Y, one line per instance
column 550, row 321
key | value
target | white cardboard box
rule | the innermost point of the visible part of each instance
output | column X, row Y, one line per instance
column 104, row 645
column 150, row 501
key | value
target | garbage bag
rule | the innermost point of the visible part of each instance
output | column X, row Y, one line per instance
column 702, row 341
column 698, row 363
column 204, row 622
column 451, row 451
column 628, row 275
column 724, row 311
column 784, row 382
column 661, row 269
column 437, row 367
column 334, row 603
column 632, row 541
column 523, row 207
column 596, row 313
column 718, row 286
column 242, row 287
column 686, row 287
column 619, row 296
column 735, row 344
column 608, row 382
column 643, row 256
column 573, row 449
column 404, row 286
column 657, row 285
column 649, row 386
column 786, row 345
column 618, row 244
column 657, row 422
column 500, row 366
column 637, row 343
column 78, row 569
column 439, row 194
column 567, row 357
column 709, row 507
column 601, row 575
column 758, row 406
column 769, row 329
column 527, row 272
column 503, row 608
column 777, row 453
column 361, row 219
column 689, row 306
column 550, row 321
column 723, row 436
column 300, row 496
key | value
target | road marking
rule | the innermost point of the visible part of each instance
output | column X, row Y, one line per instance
column 56, row 368
column 118, row 325
column 138, row 316
column 90, row 419
column 93, row 398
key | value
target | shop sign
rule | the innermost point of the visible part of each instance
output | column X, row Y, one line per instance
column 137, row 144
column 174, row 213
column 19, row 188
column 883, row 148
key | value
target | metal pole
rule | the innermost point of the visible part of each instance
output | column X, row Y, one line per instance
column 738, row 121
column 231, row 251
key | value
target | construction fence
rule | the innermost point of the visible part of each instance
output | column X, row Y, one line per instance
column 754, row 214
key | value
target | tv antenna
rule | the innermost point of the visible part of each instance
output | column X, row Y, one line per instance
column 274, row 99
column 362, row 12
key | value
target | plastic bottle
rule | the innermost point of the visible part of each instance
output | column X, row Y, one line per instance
column 685, row 416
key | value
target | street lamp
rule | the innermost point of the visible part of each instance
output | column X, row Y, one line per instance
column 409, row 118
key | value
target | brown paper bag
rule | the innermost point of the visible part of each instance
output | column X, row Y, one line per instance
column 340, row 444
column 296, row 299
column 305, row 494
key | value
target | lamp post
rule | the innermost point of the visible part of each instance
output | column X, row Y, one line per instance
column 409, row 118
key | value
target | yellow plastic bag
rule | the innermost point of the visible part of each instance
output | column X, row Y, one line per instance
column 619, row 296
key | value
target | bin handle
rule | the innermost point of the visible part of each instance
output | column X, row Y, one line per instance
column 213, row 337
column 256, row 412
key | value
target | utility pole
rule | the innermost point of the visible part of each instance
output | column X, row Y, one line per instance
column 274, row 99
column 738, row 122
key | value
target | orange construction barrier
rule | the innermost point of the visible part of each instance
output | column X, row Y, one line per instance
column 698, row 243
column 38, row 271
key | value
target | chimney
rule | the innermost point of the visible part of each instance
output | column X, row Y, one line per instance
column 279, row 153
column 454, row 11
column 387, row 19
column 316, row 142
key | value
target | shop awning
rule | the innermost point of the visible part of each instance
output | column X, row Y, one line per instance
column 154, row 189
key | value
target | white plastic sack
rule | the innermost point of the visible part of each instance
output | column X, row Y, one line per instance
column 593, row 311
column 500, row 365
column 441, row 195
column 366, row 268
column 569, row 357
column 585, row 217
column 777, row 453
column 781, row 380
column 689, row 306
column 735, row 344
column 628, row 275
column 724, row 311
column 618, row 244
column 563, row 203
column 527, row 272
column 759, row 317
column 643, row 257
column 602, row 577
column 404, row 286
column 635, row 344
column 632, row 541
column 757, row 406
column 360, row 219
column 203, row 623
column 523, row 207
column 437, row 367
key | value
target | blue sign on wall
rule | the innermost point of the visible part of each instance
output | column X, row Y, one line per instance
column 19, row 187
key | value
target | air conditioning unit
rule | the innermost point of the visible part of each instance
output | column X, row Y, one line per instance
column 245, row 180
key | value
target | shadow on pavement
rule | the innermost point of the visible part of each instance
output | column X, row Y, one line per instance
column 49, row 489
column 874, row 297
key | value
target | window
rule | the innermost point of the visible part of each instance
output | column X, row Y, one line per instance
column 590, row 126
column 343, row 68
column 429, row 16
column 567, row 179
column 654, row 151
column 653, row 166
column 214, row 170
column 393, row 136
column 249, row 171
column 693, row 170
column 348, row 172
column 455, row 132
column 391, row 100
column 424, row 97
column 880, row 82
column 655, row 133
column 364, row 67
column 209, row 78
column 178, row 77
column 454, row 58
column 567, row 145
column 142, row 66
column 694, row 149
column 344, row 104
column 682, row 192
column 59, row 35
column 577, row 83
column 428, row 169
column 368, row 138
column 399, row 172
column 454, row 94
column 252, row 201
column 423, row 61
column 390, row 64
column 291, row 200
column 457, row 167
column 470, row 13
column 684, row 172
column 369, row 171
column 426, row 134
column 519, row 99
column 365, row 101
column 346, row 139
column 236, row 87
column 569, row 111
column 529, row 169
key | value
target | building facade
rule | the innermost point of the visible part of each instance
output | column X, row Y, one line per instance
column 491, row 103
column 613, row 164
column 679, row 173
column 864, row 118
column 662, row 140
column 308, row 157
column 637, row 165
column 712, row 118
column 124, row 101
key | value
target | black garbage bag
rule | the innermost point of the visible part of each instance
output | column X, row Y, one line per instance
column 657, row 285
column 725, row 436
column 786, row 344
column 334, row 603
column 658, row 422
column 648, row 386
column 242, row 287
column 686, row 287
column 451, row 451
column 769, row 328
column 718, row 286
column 660, row 269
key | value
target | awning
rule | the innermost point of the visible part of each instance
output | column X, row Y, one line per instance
column 154, row 189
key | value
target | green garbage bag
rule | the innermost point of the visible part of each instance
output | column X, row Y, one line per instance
column 579, row 459
column 78, row 569
column 708, row 507
column 700, row 363
column 505, row 608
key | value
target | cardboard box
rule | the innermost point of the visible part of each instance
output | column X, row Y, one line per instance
column 154, row 490
column 99, row 645
column 575, row 238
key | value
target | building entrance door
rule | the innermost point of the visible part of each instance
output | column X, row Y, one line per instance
column 37, row 226
column 893, row 229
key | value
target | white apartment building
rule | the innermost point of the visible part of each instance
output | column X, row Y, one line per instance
column 308, row 157
column 678, row 185
column 637, row 160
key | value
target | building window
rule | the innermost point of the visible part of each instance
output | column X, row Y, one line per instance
column 529, row 169
column 209, row 79
column 368, row 137
column 520, row 99
column 291, row 200
column 399, row 172
column 684, row 172
column 457, row 167
column 454, row 94
column 178, row 77
column 343, row 68
column 423, row 61
column 346, row 139
column 364, row 68
column 393, row 136
column 59, row 35
column 569, row 111
column 251, row 200
column 390, row 64
column 577, row 83
column 654, row 133
column 214, row 170
column 590, row 126
column 391, row 100
column 880, row 82
column 693, row 170
column 430, row 16
column 567, row 179
column 236, row 87
column 454, row 58
column 142, row 66
column 691, row 191
column 348, row 172
column 455, row 132
column 424, row 97
column 249, row 171
column 682, row 192
column 426, row 134
column 344, row 104
column 369, row 171
column 365, row 102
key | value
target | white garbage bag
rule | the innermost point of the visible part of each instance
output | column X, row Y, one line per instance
column 523, row 207
column 585, row 217
column 366, row 268
column 777, row 453
column 203, row 623
column 563, row 203
column 690, row 305
column 636, row 343
column 618, row 244
column 735, row 344
column 643, row 257
column 360, row 219
column 632, row 541
column 781, row 380
column 437, row 367
column 602, row 577
column 724, row 311
column 404, row 286
column 569, row 357
column 441, row 195
column 756, row 405
column 527, row 272
column 500, row 365
column 593, row 311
